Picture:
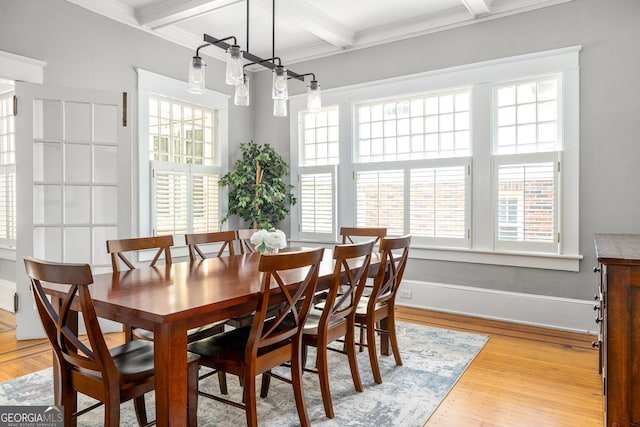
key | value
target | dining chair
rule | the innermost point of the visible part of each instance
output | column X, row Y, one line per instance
column 246, row 352
column 118, row 248
column 379, row 306
column 227, row 238
column 351, row 234
column 244, row 237
column 111, row 376
column 335, row 318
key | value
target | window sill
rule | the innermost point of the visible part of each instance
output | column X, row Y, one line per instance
column 8, row 253
column 475, row 256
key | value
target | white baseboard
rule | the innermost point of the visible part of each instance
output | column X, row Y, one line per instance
column 7, row 290
column 536, row 310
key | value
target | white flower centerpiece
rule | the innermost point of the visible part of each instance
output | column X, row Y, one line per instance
column 269, row 241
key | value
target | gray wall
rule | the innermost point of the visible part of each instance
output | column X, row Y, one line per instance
column 609, row 32
column 83, row 49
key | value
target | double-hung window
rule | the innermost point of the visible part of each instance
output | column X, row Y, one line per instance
column 412, row 166
column 183, row 153
column 185, row 195
column 527, row 148
column 319, row 157
column 7, row 171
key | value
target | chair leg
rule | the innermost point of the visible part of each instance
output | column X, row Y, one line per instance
column 298, row 392
column 69, row 401
column 222, row 380
column 249, row 397
column 391, row 331
column 323, row 374
column 264, row 386
column 373, row 352
column 141, row 410
column 192, row 393
column 350, row 348
column 112, row 412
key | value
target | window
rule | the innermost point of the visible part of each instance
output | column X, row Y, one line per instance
column 317, row 174
column 7, row 171
column 478, row 162
column 527, row 123
column 184, row 156
column 418, row 148
column 185, row 179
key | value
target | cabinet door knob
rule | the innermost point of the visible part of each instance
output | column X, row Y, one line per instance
column 596, row 297
column 596, row 269
column 596, row 307
column 595, row 344
column 598, row 319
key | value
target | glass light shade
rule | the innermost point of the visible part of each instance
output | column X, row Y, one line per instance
column 242, row 92
column 234, row 65
column 280, row 107
column 314, row 101
column 196, row 75
column 280, row 90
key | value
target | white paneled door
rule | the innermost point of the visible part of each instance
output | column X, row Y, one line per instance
column 73, row 164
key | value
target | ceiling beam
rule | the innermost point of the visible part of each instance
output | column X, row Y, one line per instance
column 477, row 7
column 168, row 12
column 314, row 21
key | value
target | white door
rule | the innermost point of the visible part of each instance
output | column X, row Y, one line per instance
column 73, row 182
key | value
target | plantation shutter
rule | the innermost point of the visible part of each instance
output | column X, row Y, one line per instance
column 8, row 205
column 438, row 204
column 526, row 215
column 380, row 200
column 317, row 202
column 170, row 202
column 205, row 201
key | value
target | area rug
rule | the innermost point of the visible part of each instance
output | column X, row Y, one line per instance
column 433, row 361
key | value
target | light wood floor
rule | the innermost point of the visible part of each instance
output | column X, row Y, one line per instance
column 524, row 376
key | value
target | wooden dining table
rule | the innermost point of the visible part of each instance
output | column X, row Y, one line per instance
column 169, row 300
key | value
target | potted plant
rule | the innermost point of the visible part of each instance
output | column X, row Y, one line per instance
column 257, row 193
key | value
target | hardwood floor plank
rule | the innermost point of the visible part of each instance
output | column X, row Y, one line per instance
column 524, row 376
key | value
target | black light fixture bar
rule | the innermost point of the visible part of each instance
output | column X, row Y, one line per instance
column 250, row 56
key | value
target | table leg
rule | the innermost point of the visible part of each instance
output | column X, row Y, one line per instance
column 170, row 361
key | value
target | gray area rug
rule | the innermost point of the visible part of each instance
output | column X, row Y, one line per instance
column 433, row 361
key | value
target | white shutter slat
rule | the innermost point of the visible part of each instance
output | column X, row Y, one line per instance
column 380, row 200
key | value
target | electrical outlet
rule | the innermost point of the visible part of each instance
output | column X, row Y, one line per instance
column 405, row 293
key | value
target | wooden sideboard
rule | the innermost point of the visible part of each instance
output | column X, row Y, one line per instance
column 619, row 317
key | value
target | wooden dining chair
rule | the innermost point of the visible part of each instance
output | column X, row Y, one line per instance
column 118, row 249
column 380, row 305
column 244, row 237
column 266, row 344
column 351, row 234
column 227, row 238
column 111, row 376
column 335, row 319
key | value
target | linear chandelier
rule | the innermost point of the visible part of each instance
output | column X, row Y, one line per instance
column 235, row 72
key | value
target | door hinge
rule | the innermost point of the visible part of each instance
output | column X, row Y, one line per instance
column 15, row 302
column 558, row 237
column 124, row 109
column 15, row 105
column 558, row 167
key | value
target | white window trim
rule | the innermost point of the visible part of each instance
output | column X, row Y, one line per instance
column 148, row 83
column 565, row 60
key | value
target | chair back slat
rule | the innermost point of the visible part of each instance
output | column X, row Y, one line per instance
column 227, row 239
column 118, row 248
column 391, row 269
column 348, row 234
column 281, row 270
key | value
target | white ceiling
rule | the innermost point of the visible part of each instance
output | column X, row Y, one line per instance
column 304, row 29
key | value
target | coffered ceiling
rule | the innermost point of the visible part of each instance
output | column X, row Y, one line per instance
column 304, row 29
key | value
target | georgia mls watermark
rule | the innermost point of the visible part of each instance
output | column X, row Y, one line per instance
column 31, row 416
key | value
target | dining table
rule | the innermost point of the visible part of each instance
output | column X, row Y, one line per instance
column 171, row 299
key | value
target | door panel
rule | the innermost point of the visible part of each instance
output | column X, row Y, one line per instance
column 73, row 159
